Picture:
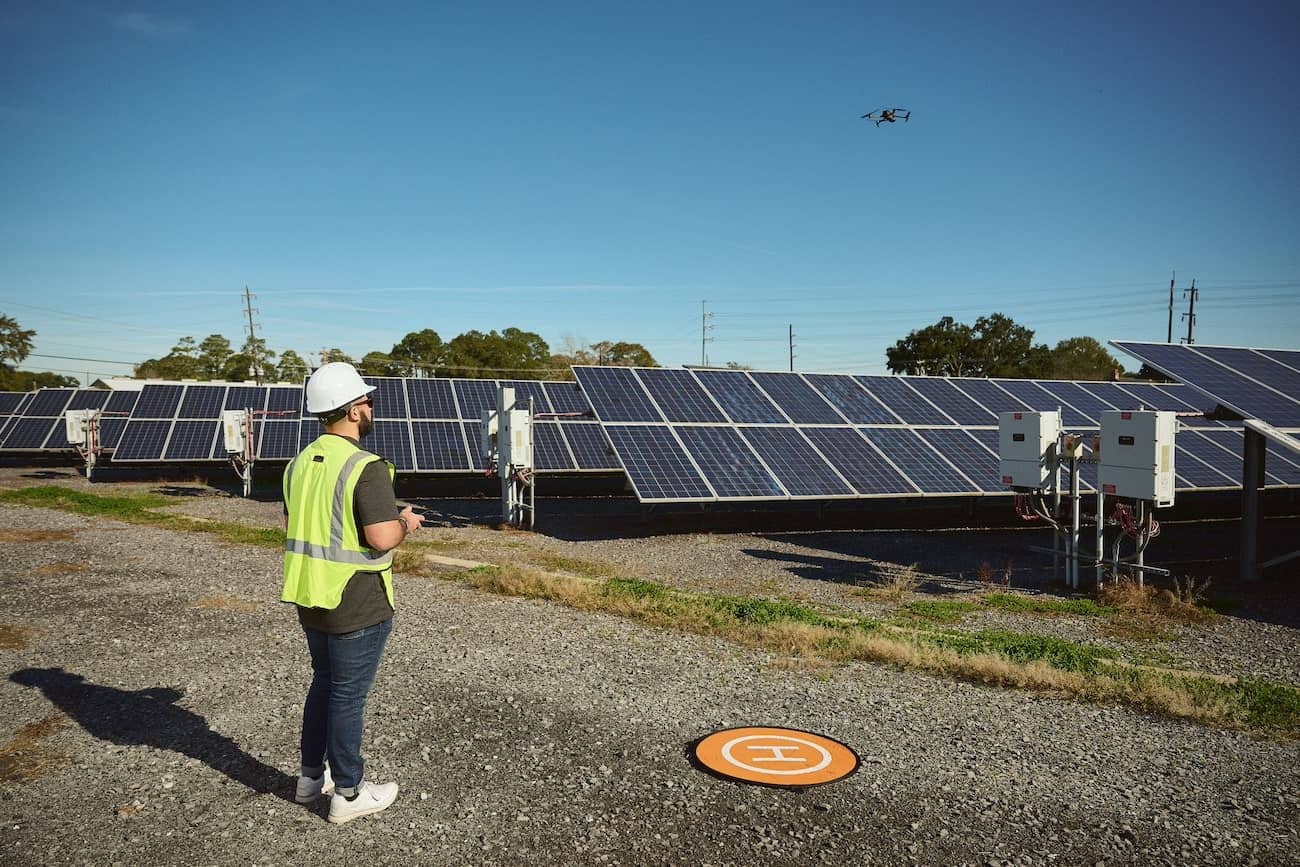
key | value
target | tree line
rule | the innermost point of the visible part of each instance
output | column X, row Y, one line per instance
column 993, row 346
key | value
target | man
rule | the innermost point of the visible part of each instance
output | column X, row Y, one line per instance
column 342, row 524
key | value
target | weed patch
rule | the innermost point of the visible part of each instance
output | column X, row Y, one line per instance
column 572, row 565
column 896, row 586
column 937, row 610
column 61, row 567
column 1019, row 603
column 16, row 637
column 26, row 757
column 34, row 537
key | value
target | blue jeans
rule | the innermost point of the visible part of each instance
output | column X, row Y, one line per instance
column 343, row 670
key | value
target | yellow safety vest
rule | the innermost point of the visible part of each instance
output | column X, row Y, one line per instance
column 323, row 545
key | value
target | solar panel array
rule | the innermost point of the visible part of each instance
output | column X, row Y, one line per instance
column 688, row 435
column 421, row 425
column 1254, row 383
column 34, row 421
column 679, row 434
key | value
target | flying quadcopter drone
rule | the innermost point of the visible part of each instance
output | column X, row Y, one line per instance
column 888, row 115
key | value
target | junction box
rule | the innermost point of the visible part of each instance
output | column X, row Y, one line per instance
column 1027, row 448
column 1137, row 455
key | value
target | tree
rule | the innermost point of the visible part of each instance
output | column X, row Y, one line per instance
column 292, row 367
column 513, row 353
column 623, row 354
column 329, row 355
column 1083, row 358
column 15, row 342
column 213, row 355
column 28, row 380
column 942, row 349
column 379, row 364
column 261, row 360
column 419, row 353
column 1149, row 373
column 994, row 346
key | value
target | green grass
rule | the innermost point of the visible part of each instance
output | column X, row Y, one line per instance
column 763, row 612
column 1020, row 603
column 141, row 509
column 937, row 611
column 1022, row 647
column 636, row 588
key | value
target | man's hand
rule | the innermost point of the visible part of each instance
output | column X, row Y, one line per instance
column 412, row 519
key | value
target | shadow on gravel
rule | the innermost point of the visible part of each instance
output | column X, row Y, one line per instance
column 844, row 571
column 151, row 718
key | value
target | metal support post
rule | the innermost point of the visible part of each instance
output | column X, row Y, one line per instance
column 1101, row 536
column 1141, row 523
column 1252, row 475
column 1074, row 522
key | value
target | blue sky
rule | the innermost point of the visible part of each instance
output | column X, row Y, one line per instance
column 597, row 171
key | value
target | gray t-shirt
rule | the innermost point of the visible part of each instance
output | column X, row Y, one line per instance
column 364, row 602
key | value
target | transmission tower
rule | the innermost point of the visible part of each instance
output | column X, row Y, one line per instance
column 254, row 350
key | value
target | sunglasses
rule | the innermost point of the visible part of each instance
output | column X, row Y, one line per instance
column 365, row 401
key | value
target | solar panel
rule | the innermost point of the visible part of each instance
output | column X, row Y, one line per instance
column 473, row 396
column 286, row 400
column 431, row 398
column 10, row 401
column 732, row 469
column 1261, row 368
column 29, row 433
column 278, row 439
column 1289, row 357
column 925, row 467
column 679, row 396
column 389, row 396
column 1030, row 394
column 202, row 401
column 142, row 440
column 1231, row 440
column 246, row 397
column 89, row 398
column 987, row 394
column 1282, row 463
column 616, row 394
column 158, row 401
column 122, row 402
column 473, row 437
column 49, row 402
column 1274, row 402
column 802, row 471
column 391, row 440
column 590, row 447
column 526, row 389
column 1079, row 408
column 308, row 431
column 951, row 400
column 854, row 403
column 858, row 461
column 550, row 452
column 110, row 431
column 971, row 457
column 1191, row 472
column 566, row 397
column 1191, row 442
column 739, row 397
column 439, row 446
column 656, row 465
column 797, row 399
column 191, row 441
column 903, row 401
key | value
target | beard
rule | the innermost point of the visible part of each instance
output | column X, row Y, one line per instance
column 365, row 426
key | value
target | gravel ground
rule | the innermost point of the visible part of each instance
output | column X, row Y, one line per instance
column 149, row 715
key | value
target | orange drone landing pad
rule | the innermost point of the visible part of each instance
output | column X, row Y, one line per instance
column 775, row 756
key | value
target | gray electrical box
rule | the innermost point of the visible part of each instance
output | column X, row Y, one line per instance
column 1137, row 455
column 1026, row 448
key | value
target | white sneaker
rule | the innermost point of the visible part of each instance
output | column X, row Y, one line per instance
column 370, row 798
column 309, row 789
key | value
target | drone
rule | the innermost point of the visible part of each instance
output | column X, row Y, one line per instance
column 888, row 115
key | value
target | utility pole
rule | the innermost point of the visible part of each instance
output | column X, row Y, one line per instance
column 706, row 325
column 252, row 338
column 1170, row 337
column 792, row 347
column 1190, row 315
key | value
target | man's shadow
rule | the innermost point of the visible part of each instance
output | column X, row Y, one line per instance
column 150, row 717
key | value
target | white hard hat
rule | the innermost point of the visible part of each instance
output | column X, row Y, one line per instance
column 334, row 386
